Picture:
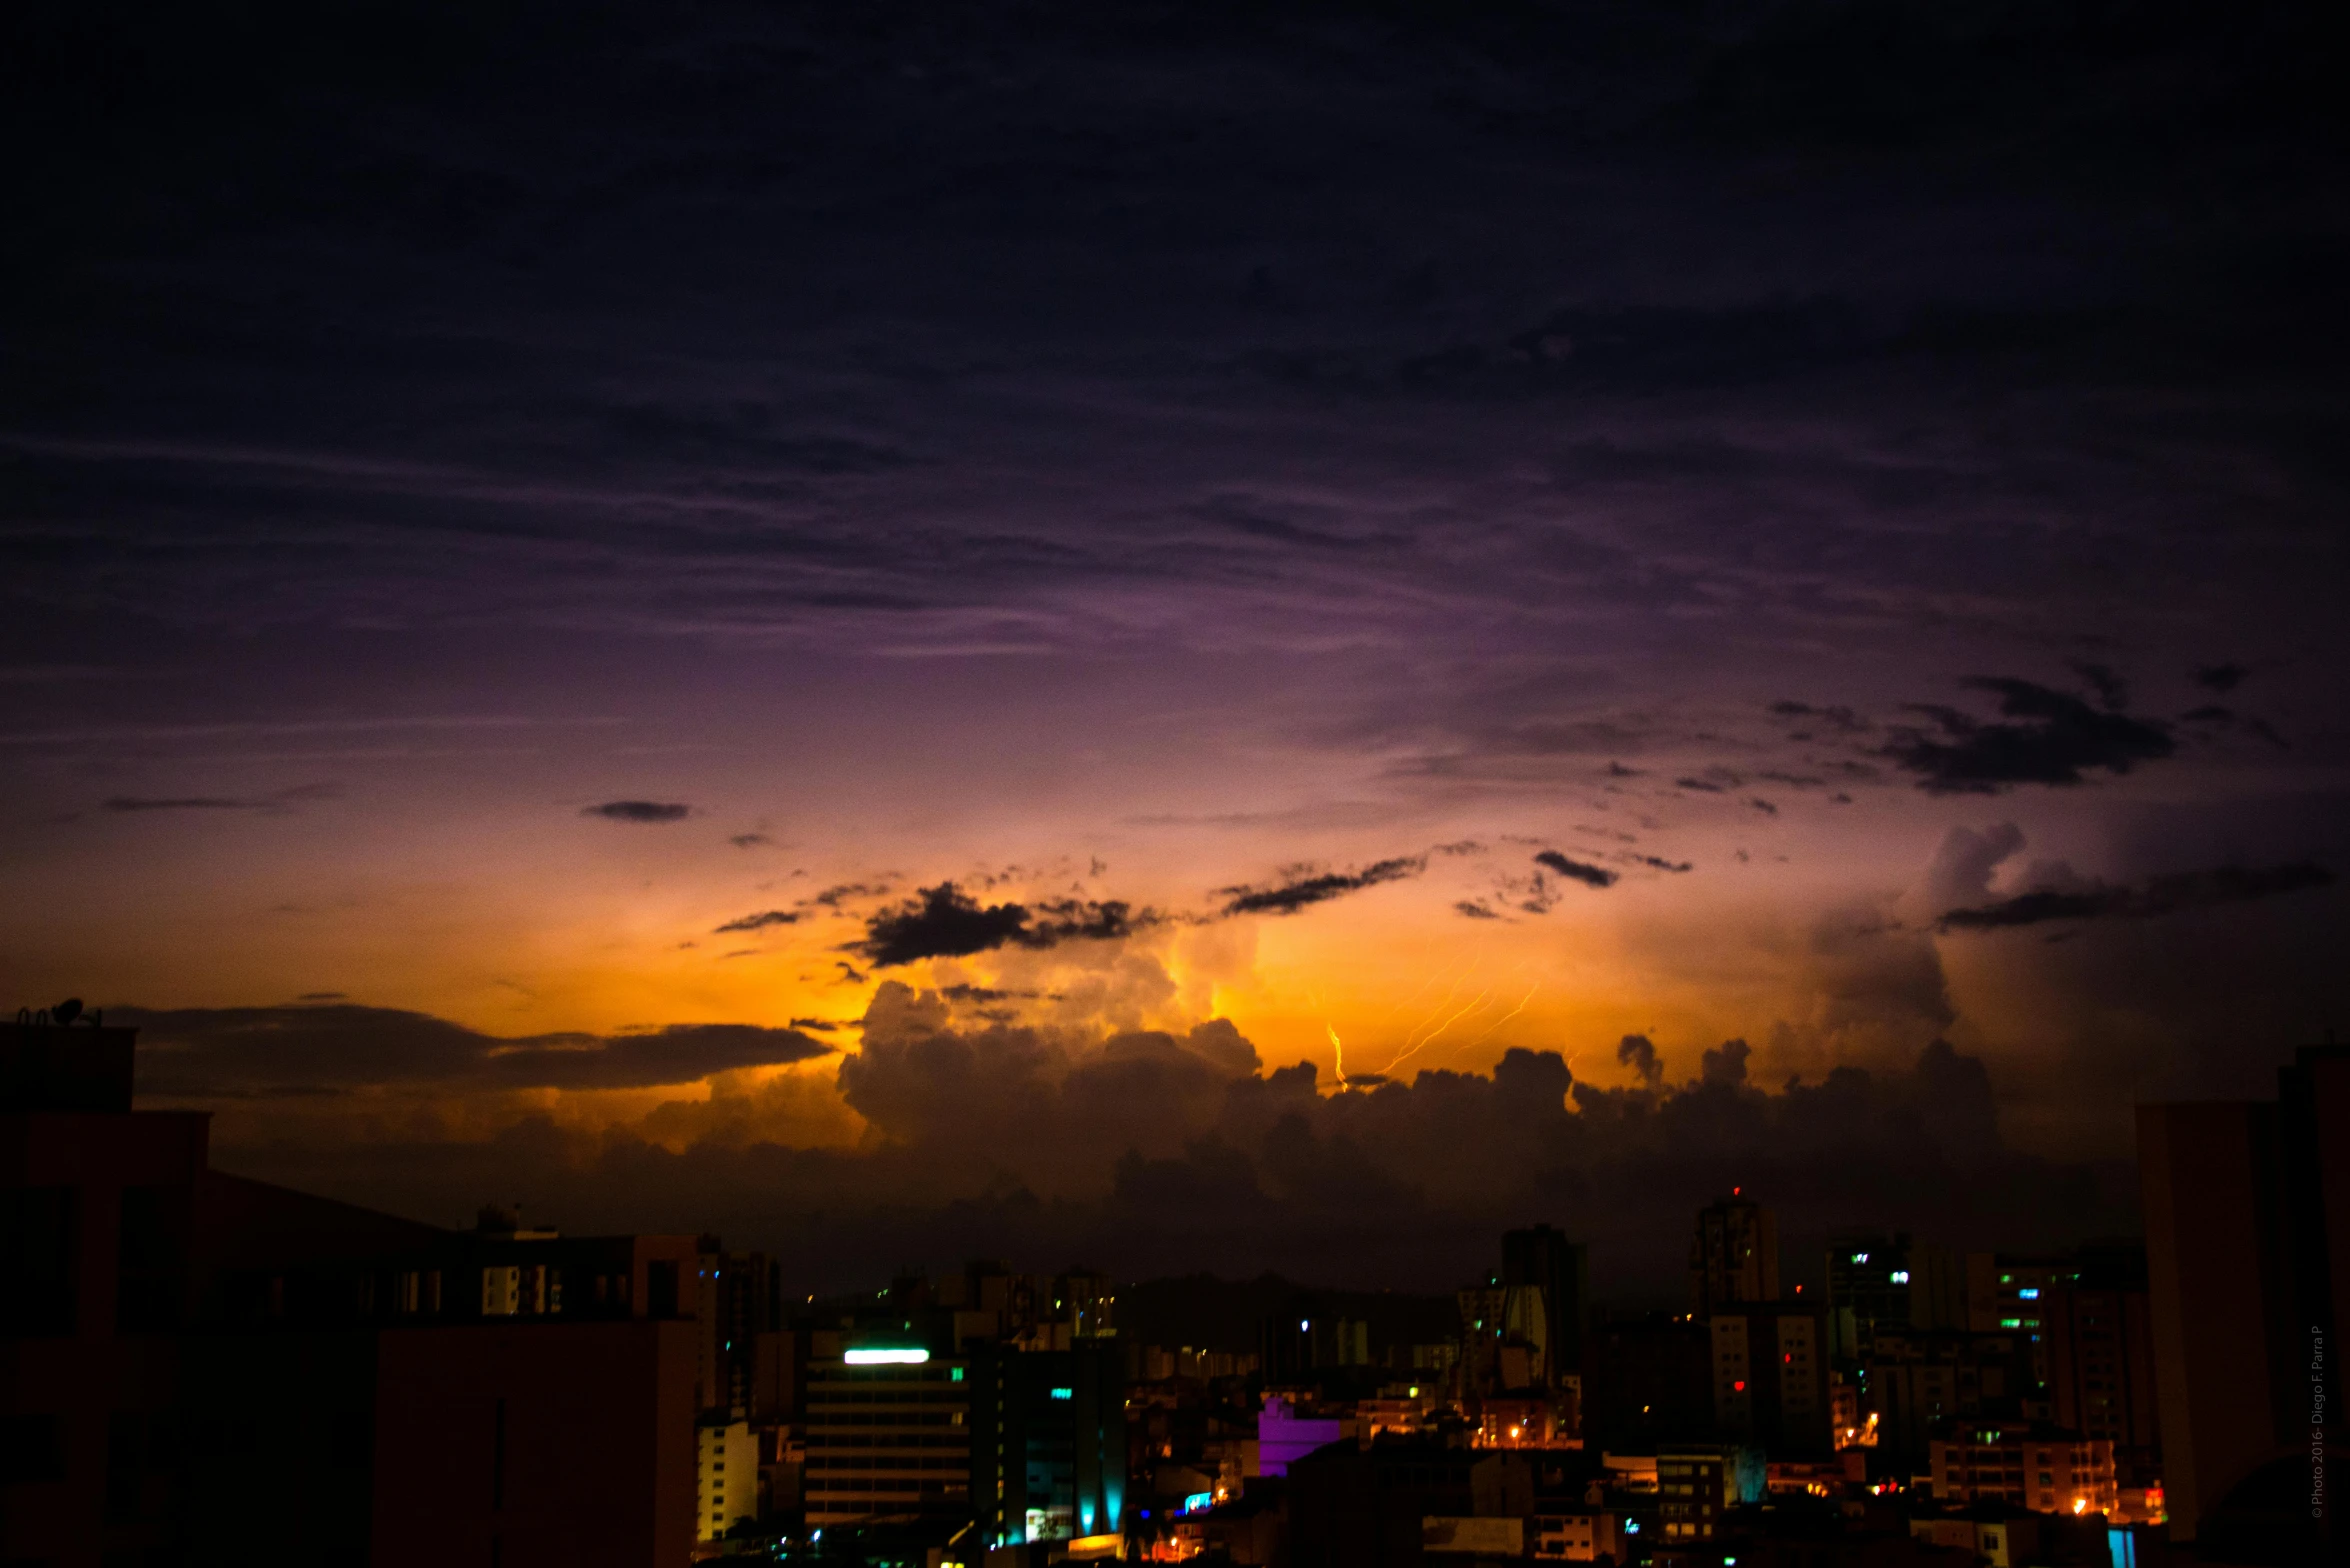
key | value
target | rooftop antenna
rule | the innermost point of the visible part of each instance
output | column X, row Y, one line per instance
column 67, row 1011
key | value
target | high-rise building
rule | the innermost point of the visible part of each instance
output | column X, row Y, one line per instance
column 889, row 1436
column 737, row 1298
column 2247, row 1238
column 1542, row 1256
column 1869, row 1277
column 1734, row 1255
column 1770, row 1378
column 2098, row 1334
column 2007, row 1293
column 187, row 1355
column 727, row 1481
column 1505, row 1338
column 1048, row 1443
column 1914, row 1380
column 1894, row 1282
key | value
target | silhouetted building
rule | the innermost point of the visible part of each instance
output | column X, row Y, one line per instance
column 1770, row 1377
column 1304, row 1339
column 2099, row 1340
column 2008, row 1292
column 1048, row 1443
column 1893, row 1282
column 1364, row 1508
column 1542, row 1256
column 1648, row 1380
column 228, row 1370
column 1505, row 1339
column 2247, row 1234
column 737, row 1297
column 1912, row 1381
column 1733, row 1256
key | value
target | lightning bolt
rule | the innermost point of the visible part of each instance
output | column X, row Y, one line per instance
column 1337, row 1054
column 1440, row 1028
column 1505, row 1018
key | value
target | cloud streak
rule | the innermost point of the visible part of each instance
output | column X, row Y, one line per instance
column 1304, row 891
column 1576, row 870
column 2163, row 895
column 761, row 921
column 246, row 1052
column 647, row 812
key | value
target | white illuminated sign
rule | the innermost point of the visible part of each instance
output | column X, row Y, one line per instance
column 885, row 1358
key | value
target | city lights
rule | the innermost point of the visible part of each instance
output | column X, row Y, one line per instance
column 885, row 1357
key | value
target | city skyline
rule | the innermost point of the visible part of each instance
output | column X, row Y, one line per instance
column 873, row 631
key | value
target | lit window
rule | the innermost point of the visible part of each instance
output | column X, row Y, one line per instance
column 2029, row 1293
column 1901, row 1276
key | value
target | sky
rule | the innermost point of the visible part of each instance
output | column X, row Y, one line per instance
column 1186, row 635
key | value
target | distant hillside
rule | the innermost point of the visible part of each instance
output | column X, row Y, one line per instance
column 1208, row 1313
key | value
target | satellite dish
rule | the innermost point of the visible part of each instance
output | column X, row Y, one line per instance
column 67, row 1011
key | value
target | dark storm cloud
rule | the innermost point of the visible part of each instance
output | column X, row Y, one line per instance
column 946, row 922
column 2111, row 689
column 1303, row 891
column 1662, row 864
column 2216, row 717
column 644, row 811
column 2055, row 738
column 2221, row 677
column 334, row 1049
column 2162, row 895
column 1472, row 909
column 1589, row 876
column 761, row 921
column 1638, row 1052
column 1162, row 1152
column 764, row 422
column 749, row 840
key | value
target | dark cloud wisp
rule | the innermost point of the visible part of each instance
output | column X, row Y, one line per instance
column 645, row 811
column 2163, row 895
column 761, row 921
column 2049, row 737
column 1302, row 891
column 1590, row 876
column 946, row 922
column 247, row 1052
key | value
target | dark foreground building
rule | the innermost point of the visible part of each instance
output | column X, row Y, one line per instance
column 203, row 1370
column 2248, row 1253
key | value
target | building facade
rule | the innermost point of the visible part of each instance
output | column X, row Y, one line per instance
column 888, row 1437
column 1733, row 1255
column 188, row 1352
column 1048, row 1443
column 2031, row 1465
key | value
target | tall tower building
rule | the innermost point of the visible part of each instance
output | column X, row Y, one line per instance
column 1542, row 1255
column 1734, row 1255
column 2247, row 1234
